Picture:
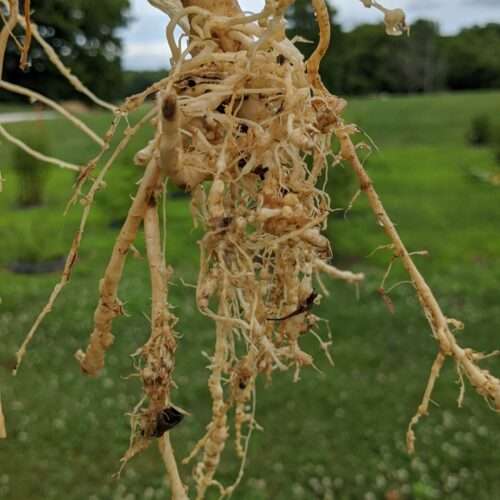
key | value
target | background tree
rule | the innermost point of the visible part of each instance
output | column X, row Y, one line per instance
column 84, row 34
column 365, row 55
column 420, row 65
column 473, row 58
column 373, row 62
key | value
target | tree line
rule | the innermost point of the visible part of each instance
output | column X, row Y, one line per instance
column 362, row 61
column 366, row 61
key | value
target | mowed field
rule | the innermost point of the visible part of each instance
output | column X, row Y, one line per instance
column 336, row 434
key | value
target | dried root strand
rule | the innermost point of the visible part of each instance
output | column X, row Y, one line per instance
column 159, row 352
column 109, row 307
column 23, row 63
column 178, row 490
column 3, row 427
column 217, row 432
column 335, row 273
column 8, row 28
column 158, row 359
column 88, row 200
column 249, row 124
column 158, row 355
column 423, row 409
column 92, row 361
column 171, row 144
column 313, row 63
column 485, row 384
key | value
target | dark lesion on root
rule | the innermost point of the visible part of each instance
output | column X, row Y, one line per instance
column 365, row 186
column 152, row 200
column 167, row 419
column 169, row 107
column 306, row 306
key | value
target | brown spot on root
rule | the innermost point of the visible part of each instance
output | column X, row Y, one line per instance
column 152, row 200
column 387, row 300
column 169, row 107
column 261, row 171
column 365, row 186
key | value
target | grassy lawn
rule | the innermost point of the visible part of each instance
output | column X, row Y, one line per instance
column 340, row 434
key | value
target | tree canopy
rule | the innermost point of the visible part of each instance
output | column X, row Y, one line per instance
column 365, row 60
column 84, row 35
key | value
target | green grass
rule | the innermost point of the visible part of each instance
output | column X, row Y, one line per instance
column 8, row 107
column 336, row 435
column 434, row 120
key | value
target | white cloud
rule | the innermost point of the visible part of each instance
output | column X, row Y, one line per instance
column 145, row 46
column 146, row 55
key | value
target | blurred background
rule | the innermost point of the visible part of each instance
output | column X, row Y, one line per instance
column 429, row 105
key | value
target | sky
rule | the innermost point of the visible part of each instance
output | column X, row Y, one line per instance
column 144, row 39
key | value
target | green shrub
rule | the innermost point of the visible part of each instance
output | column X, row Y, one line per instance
column 480, row 131
column 37, row 236
column 121, row 185
column 31, row 173
column 496, row 143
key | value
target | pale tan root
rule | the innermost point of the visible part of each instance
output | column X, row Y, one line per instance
column 159, row 351
column 7, row 29
column 394, row 19
column 336, row 273
column 313, row 63
column 423, row 408
column 243, row 453
column 73, row 253
column 158, row 354
column 23, row 62
column 172, row 9
column 485, row 384
column 222, row 7
column 217, row 431
column 101, row 338
column 109, row 306
column 171, row 145
column 3, row 427
column 249, row 129
column 167, row 453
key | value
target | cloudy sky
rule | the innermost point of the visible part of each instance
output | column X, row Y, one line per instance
column 145, row 47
